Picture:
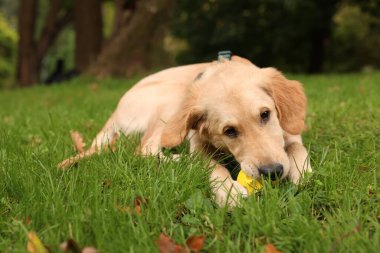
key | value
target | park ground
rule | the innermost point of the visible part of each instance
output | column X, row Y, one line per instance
column 337, row 209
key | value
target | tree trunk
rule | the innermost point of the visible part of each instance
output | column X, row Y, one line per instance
column 88, row 32
column 130, row 49
column 325, row 10
column 26, row 66
column 31, row 52
column 317, row 52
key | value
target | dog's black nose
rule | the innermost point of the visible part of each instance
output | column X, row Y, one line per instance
column 273, row 171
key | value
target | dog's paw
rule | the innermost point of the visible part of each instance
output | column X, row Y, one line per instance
column 296, row 176
column 241, row 190
column 230, row 195
column 166, row 158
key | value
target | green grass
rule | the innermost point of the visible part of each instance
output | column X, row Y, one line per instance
column 336, row 210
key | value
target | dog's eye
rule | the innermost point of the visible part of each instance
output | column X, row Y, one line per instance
column 265, row 116
column 231, row 132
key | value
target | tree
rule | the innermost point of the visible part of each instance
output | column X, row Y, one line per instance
column 320, row 33
column 139, row 29
column 291, row 35
column 26, row 69
column 31, row 50
column 8, row 47
column 355, row 36
column 88, row 31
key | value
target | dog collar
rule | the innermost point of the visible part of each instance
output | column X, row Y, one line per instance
column 224, row 55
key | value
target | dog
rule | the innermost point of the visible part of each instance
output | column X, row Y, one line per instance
column 228, row 107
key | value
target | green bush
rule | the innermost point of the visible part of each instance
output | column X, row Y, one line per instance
column 355, row 40
column 8, row 47
column 293, row 35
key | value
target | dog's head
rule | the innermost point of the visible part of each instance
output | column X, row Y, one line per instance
column 243, row 110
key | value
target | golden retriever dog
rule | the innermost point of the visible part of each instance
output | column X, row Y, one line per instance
column 230, row 107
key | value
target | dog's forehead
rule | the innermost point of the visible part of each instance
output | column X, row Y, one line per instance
column 229, row 96
column 231, row 75
column 228, row 69
column 230, row 81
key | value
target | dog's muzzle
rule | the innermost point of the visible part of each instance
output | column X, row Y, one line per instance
column 272, row 171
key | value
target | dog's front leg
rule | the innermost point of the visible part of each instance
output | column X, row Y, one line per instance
column 227, row 191
column 298, row 158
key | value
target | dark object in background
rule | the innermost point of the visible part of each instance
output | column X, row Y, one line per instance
column 59, row 74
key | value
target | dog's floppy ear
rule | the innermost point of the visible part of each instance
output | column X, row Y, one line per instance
column 179, row 125
column 290, row 101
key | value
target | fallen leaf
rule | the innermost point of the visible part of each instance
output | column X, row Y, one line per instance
column 8, row 120
column 364, row 168
column 362, row 89
column 139, row 202
column 334, row 88
column 338, row 240
column 70, row 246
column 167, row 245
column 371, row 191
column 113, row 142
column 260, row 240
column 270, row 248
column 89, row 250
column 25, row 220
column 94, row 87
column 77, row 141
column 195, row 243
column 89, row 124
column 123, row 209
column 107, row 183
column 35, row 140
column 34, row 244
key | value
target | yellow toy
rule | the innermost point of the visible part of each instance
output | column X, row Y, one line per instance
column 252, row 185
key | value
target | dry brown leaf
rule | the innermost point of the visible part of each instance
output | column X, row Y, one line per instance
column 270, row 248
column 34, row 244
column 334, row 88
column 77, row 141
column 371, row 191
column 8, row 120
column 25, row 220
column 70, row 246
column 113, row 142
column 89, row 124
column 362, row 89
column 195, row 243
column 338, row 240
column 34, row 140
column 167, row 245
column 94, row 87
column 89, row 250
column 123, row 209
column 139, row 202
column 107, row 183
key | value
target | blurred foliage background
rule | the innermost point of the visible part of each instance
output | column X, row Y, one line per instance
column 53, row 40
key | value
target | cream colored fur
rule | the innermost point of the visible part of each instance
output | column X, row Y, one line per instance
column 198, row 102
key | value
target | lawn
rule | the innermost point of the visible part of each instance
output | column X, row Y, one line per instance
column 336, row 210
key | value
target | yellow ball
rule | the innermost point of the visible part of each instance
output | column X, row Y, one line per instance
column 252, row 185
